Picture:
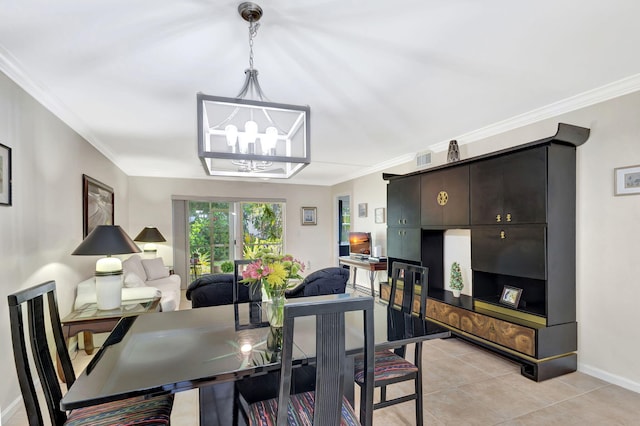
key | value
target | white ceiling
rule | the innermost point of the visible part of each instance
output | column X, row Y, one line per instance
column 384, row 79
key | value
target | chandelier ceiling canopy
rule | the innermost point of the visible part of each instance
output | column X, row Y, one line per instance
column 249, row 136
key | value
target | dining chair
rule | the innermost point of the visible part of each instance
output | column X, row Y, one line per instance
column 326, row 405
column 133, row 411
column 390, row 366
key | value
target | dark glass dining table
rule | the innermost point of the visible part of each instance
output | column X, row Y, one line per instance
column 169, row 352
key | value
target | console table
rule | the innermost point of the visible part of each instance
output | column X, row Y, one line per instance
column 370, row 266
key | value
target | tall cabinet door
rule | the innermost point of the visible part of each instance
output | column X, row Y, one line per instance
column 445, row 197
column 525, row 186
column 510, row 189
column 403, row 202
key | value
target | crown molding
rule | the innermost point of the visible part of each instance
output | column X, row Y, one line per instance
column 12, row 67
column 604, row 93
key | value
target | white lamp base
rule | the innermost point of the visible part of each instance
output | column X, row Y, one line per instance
column 109, row 283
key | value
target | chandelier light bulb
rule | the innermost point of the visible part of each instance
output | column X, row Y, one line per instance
column 243, row 143
column 231, row 133
column 251, row 130
column 268, row 140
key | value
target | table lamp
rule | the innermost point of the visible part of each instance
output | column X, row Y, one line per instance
column 107, row 240
column 150, row 235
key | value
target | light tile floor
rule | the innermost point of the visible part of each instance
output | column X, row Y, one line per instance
column 467, row 385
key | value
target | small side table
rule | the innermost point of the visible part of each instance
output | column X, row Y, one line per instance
column 89, row 319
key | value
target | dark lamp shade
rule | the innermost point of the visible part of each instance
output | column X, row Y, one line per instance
column 106, row 240
column 150, row 235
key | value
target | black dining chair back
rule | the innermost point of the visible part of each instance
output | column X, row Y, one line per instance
column 41, row 303
column 409, row 280
column 326, row 405
column 34, row 299
column 390, row 366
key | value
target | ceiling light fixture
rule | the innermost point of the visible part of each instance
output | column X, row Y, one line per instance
column 242, row 137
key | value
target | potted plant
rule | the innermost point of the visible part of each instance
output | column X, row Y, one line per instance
column 226, row 266
column 455, row 282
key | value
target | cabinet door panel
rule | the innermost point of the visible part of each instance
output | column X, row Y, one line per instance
column 524, row 185
column 404, row 243
column 456, row 183
column 403, row 201
column 486, row 191
column 510, row 250
column 394, row 242
column 445, row 197
column 411, row 244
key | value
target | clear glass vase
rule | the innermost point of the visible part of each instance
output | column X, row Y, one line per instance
column 275, row 307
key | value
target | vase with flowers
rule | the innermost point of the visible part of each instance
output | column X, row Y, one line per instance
column 273, row 271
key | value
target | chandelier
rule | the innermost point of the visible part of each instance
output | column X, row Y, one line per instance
column 250, row 136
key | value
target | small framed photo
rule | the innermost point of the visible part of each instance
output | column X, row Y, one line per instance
column 362, row 210
column 308, row 215
column 97, row 204
column 5, row 175
column 511, row 296
column 627, row 180
column 379, row 212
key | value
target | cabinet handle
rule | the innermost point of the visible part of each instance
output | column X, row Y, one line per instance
column 404, row 221
column 503, row 235
column 498, row 218
column 399, row 221
column 508, row 217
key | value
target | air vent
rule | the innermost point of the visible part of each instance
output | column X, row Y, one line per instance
column 423, row 159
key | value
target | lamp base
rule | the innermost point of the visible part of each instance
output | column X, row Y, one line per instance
column 108, row 283
column 109, row 292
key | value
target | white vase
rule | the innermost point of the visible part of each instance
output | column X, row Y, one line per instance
column 456, row 293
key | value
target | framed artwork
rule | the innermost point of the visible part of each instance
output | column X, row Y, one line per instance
column 5, row 175
column 627, row 180
column 362, row 210
column 511, row 296
column 309, row 215
column 97, row 204
column 379, row 213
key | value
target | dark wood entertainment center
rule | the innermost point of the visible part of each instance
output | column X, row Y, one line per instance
column 520, row 207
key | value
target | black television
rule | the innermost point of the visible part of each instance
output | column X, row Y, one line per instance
column 359, row 244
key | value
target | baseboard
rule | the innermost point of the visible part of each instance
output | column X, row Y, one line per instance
column 10, row 410
column 608, row 377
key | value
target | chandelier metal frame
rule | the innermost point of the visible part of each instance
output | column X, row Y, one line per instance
column 225, row 151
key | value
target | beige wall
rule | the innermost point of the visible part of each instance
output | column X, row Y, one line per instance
column 44, row 224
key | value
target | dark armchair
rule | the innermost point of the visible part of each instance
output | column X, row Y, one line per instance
column 324, row 281
column 214, row 290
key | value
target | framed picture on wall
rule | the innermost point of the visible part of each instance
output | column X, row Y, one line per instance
column 379, row 212
column 5, row 175
column 627, row 180
column 308, row 215
column 362, row 210
column 97, row 204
